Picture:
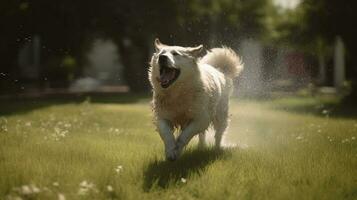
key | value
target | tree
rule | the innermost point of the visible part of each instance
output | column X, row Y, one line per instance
column 315, row 24
column 67, row 28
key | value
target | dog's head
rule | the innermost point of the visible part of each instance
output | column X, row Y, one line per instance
column 171, row 65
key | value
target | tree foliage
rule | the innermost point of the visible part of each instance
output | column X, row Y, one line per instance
column 315, row 24
column 67, row 28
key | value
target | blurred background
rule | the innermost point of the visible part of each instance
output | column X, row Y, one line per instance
column 71, row 47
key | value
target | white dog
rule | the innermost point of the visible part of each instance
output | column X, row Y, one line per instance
column 190, row 94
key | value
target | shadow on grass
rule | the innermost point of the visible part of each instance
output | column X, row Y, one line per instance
column 194, row 161
column 16, row 105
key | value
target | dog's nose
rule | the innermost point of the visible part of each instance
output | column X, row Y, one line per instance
column 163, row 60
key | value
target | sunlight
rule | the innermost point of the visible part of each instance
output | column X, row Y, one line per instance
column 287, row 4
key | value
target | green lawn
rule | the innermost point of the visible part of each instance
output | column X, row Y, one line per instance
column 290, row 148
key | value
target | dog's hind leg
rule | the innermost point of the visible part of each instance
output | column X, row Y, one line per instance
column 220, row 124
column 220, row 129
column 197, row 126
column 202, row 140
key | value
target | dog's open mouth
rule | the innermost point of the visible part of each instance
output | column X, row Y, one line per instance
column 168, row 75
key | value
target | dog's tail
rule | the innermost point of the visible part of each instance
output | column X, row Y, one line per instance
column 225, row 60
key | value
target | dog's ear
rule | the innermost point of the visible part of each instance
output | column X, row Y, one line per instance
column 158, row 45
column 195, row 51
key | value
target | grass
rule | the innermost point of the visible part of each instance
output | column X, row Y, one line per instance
column 290, row 148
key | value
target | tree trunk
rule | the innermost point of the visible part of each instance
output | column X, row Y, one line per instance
column 135, row 58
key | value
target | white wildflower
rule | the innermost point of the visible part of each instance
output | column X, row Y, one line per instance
column 56, row 184
column 3, row 124
column 85, row 187
column 26, row 190
column 4, row 128
column 63, row 133
column 183, row 180
column 110, row 188
column 353, row 138
column 35, row 189
column 86, row 184
column 61, row 196
column 119, row 168
column 345, row 140
column 11, row 197
column 299, row 137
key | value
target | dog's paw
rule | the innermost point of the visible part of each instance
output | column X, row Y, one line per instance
column 171, row 155
column 174, row 154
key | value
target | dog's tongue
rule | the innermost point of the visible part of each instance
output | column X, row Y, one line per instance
column 166, row 76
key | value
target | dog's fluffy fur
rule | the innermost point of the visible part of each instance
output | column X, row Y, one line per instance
column 196, row 97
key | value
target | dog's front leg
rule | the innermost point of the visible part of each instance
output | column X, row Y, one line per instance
column 195, row 127
column 166, row 131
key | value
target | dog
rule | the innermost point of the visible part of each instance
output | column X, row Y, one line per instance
column 190, row 94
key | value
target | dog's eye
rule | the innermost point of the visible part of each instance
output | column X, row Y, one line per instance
column 175, row 53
